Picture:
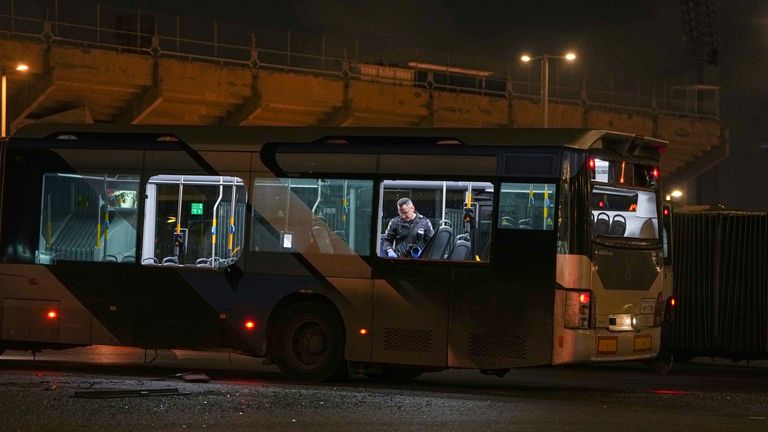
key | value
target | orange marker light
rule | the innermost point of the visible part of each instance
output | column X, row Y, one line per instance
column 250, row 325
column 672, row 302
column 363, row 331
column 52, row 314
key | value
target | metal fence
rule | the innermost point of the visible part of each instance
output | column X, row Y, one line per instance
column 136, row 31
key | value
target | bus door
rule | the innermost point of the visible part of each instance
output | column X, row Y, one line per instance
column 504, row 319
column 413, row 288
column 192, row 233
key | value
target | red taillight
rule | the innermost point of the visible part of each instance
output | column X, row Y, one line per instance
column 591, row 163
column 250, row 325
column 52, row 314
column 655, row 172
column 601, row 204
column 584, row 298
column 577, row 309
column 666, row 212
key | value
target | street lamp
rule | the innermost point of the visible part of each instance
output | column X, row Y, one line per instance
column 675, row 194
column 569, row 57
column 4, row 96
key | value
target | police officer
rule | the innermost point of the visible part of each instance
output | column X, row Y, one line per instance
column 406, row 234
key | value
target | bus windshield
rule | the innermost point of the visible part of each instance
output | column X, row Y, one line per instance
column 624, row 199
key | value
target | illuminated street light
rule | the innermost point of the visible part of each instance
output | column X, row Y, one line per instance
column 676, row 193
column 4, row 96
column 525, row 58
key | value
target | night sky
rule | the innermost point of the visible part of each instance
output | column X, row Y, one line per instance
column 638, row 43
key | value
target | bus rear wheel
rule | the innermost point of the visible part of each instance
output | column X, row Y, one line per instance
column 308, row 343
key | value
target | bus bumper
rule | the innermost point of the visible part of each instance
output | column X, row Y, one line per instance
column 601, row 345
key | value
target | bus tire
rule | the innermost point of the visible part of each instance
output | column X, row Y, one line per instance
column 308, row 343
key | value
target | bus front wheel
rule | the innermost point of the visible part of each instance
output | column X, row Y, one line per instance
column 308, row 343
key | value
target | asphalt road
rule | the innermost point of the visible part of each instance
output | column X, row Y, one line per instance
column 44, row 394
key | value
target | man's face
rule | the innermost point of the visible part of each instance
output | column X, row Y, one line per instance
column 406, row 211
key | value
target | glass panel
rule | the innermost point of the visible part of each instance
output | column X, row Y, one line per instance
column 527, row 206
column 619, row 212
column 194, row 220
column 325, row 216
column 88, row 218
column 430, row 220
column 602, row 171
column 646, row 176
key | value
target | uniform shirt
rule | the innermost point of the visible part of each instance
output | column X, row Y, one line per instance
column 403, row 235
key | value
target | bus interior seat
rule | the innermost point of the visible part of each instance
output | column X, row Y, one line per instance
column 203, row 262
column 439, row 246
column 508, row 222
column 618, row 226
column 171, row 260
column 110, row 258
column 648, row 230
column 525, row 224
column 461, row 249
column 602, row 224
column 150, row 260
column 128, row 259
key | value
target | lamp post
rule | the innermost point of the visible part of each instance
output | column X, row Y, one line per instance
column 570, row 56
column 4, row 97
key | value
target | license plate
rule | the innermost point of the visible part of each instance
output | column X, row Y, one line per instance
column 642, row 343
column 607, row 344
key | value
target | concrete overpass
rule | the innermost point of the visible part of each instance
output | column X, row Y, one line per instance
column 79, row 79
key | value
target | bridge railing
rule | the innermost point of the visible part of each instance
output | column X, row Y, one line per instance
column 210, row 41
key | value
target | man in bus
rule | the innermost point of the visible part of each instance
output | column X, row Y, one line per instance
column 406, row 234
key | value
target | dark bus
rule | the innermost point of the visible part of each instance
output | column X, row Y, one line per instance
column 266, row 241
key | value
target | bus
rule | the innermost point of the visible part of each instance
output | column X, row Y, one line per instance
column 266, row 241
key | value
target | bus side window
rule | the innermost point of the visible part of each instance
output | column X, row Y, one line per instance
column 459, row 213
column 312, row 216
column 88, row 217
column 527, row 206
column 194, row 220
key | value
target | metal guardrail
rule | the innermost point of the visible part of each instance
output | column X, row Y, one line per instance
column 164, row 36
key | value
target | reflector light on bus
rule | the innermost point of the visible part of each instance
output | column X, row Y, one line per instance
column 250, row 325
column 52, row 314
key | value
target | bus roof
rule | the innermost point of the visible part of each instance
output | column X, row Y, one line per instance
column 246, row 137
